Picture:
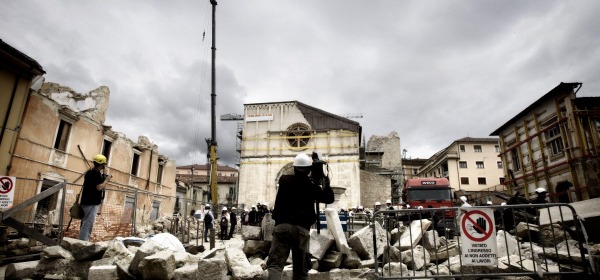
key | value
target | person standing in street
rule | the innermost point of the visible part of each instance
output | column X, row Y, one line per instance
column 208, row 221
column 294, row 214
column 94, row 183
column 253, row 216
column 232, row 221
column 224, row 224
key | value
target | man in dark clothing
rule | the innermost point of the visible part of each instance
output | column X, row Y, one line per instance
column 208, row 221
column 94, row 183
column 244, row 217
column 232, row 221
column 541, row 196
column 253, row 216
column 294, row 214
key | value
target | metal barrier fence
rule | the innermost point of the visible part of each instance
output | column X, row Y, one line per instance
column 120, row 208
column 479, row 242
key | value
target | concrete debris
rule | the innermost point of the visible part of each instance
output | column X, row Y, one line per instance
column 413, row 234
column 320, row 243
column 526, row 230
column 268, row 225
column 415, row 258
column 251, row 233
column 334, row 225
column 332, row 260
column 552, row 234
column 20, row 270
column 362, row 241
column 507, row 245
column 253, row 247
column 160, row 266
column 431, row 240
column 417, row 253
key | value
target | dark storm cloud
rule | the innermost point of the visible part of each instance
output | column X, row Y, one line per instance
column 433, row 71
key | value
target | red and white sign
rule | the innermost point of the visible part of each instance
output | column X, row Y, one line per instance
column 478, row 236
column 7, row 192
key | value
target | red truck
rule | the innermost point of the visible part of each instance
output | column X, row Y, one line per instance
column 431, row 193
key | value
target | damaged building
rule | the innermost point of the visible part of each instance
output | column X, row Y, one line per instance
column 274, row 133
column 60, row 133
column 50, row 133
column 381, row 167
column 554, row 143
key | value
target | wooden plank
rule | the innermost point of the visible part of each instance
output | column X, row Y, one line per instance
column 54, row 189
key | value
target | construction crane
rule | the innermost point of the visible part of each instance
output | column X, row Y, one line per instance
column 212, row 142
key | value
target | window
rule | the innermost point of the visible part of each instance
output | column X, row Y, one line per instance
column 497, row 148
column 481, row 181
column 106, row 145
column 219, row 174
column 298, row 135
column 154, row 212
column 462, row 164
column 502, row 180
column 462, row 148
column 464, row 180
column 62, row 136
column 499, row 163
column 415, row 171
column 554, row 141
column 515, row 159
column 136, row 163
column 477, row 148
column 159, row 174
column 479, row 164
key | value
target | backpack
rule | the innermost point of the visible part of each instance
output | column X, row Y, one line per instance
column 223, row 221
column 208, row 218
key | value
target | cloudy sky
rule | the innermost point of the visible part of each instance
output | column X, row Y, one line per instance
column 433, row 71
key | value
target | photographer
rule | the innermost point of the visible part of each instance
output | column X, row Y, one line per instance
column 94, row 183
column 294, row 214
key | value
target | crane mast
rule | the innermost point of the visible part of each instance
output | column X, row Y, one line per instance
column 213, row 96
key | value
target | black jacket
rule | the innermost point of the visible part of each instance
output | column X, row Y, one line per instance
column 295, row 201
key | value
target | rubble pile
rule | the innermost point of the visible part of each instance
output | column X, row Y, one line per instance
column 411, row 250
column 20, row 247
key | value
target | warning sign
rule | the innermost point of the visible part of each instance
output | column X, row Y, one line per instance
column 7, row 192
column 478, row 237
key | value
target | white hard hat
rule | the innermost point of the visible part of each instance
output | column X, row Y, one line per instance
column 252, row 206
column 245, row 209
column 388, row 202
column 377, row 203
column 407, row 205
column 541, row 190
column 360, row 207
column 489, row 202
column 302, row 160
column 232, row 208
column 207, row 206
column 503, row 203
column 463, row 198
column 420, row 207
column 224, row 208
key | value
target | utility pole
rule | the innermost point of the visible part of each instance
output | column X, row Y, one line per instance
column 213, row 97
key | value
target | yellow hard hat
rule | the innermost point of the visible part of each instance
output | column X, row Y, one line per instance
column 100, row 159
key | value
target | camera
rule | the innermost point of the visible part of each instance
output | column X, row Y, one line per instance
column 316, row 169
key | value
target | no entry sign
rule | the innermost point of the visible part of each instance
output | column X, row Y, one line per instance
column 7, row 192
column 478, row 236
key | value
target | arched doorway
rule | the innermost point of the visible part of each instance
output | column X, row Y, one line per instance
column 562, row 191
column 288, row 169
